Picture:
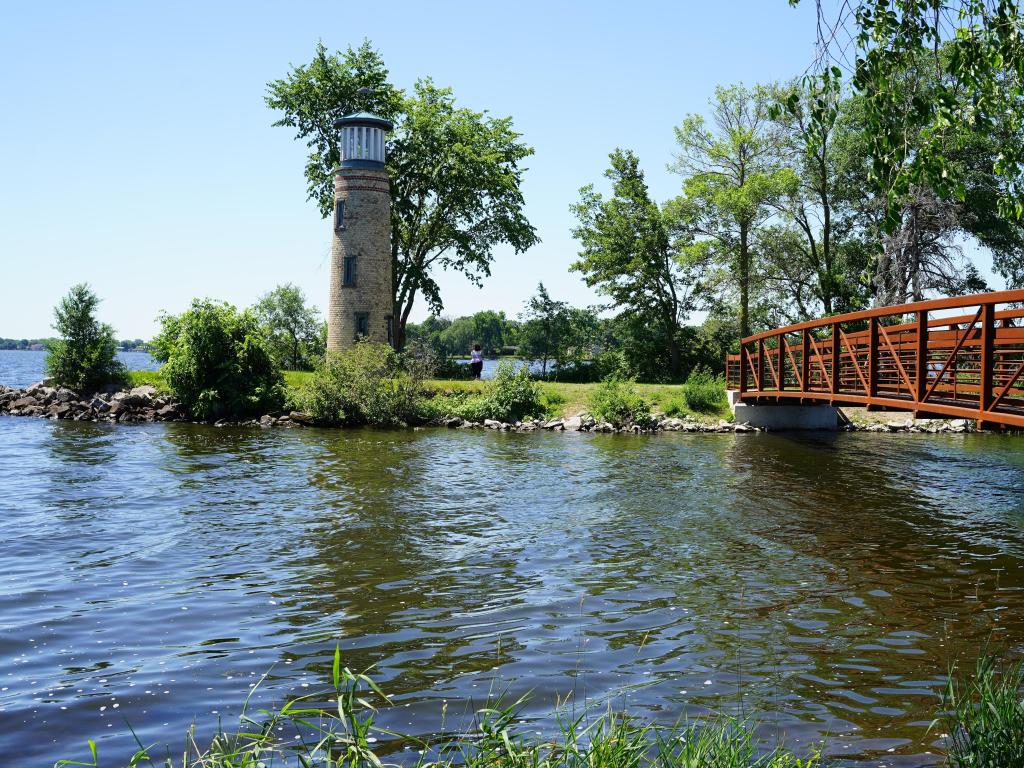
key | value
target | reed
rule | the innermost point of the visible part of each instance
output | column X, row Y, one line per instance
column 984, row 715
column 337, row 729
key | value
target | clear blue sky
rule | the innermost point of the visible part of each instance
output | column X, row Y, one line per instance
column 137, row 153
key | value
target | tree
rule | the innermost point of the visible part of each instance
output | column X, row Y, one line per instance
column 815, row 258
column 84, row 358
column 545, row 324
column 292, row 328
column 217, row 361
column 976, row 49
column 455, row 173
column 733, row 176
column 628, row 253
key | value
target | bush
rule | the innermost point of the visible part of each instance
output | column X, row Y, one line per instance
column 616, row 401
column 217, row 362
column 366, row 384
column 510, row 396
column 85, row 357
column 704, row 392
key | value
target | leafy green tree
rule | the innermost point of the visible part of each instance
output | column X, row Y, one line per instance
column 977, row 49
column 84, row 358
column 293, row 328
column 814, row 260
column 544, row 329
column 629, row 254
column 455, row 173
column 733, row 177
column 217, row 361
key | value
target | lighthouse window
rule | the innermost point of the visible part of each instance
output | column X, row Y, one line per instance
column 350, row 271
column 339, row 214
column 362, row 324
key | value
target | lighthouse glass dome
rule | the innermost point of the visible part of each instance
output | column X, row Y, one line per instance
column 362, row 139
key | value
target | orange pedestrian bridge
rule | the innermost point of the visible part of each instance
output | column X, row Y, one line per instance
column 960, row 357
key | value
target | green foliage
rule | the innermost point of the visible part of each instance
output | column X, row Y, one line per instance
column 455, row 173
column 617, row 402
column 630, row 252
column 217, row 361
column 977, row 48
column 84, row 358
column 512, row 395
column 336, row 728
column 704, row 392
column 984, row 716
column 545, row 325
column 152, row 378
column 293, row 329
column 366, row 384
column 733, row 177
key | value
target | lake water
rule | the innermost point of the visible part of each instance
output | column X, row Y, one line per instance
column 152, row 574
column 24, row 367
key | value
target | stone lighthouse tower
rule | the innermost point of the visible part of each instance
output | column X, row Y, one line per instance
column 362, row 299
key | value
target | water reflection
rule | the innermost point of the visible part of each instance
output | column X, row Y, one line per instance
column 823, row 582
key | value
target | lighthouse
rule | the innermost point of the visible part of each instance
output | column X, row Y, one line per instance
column 361, row 302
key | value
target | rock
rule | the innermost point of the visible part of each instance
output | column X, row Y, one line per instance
column 265, row 421
column 167, row 412
column 492, row 424
column 587, row 421
column 99, row 405
column 555, row 424
column 300, row 417
column 65, row 395
column 139, row 396
column 24, row 402
column 743, row 428
column 453, row 422
column 58, row 411
column 574, row 423
column 959, row 425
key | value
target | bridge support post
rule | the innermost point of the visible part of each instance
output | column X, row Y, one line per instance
column 921, row 382
column 805, row 361
column 872, row 361
column 987, row 362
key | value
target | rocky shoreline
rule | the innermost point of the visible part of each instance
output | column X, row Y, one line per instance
column 145, row 404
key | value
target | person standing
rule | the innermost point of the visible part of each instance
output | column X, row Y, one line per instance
column 476, row 361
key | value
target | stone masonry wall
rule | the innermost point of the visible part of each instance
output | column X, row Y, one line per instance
column 367, row 236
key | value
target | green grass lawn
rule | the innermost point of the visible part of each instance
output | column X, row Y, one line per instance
column 565, row 399
column 573, row 398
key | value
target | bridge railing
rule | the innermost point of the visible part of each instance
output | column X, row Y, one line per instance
column 959, row 357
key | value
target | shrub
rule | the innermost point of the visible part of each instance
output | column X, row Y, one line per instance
column 366, row 384
column 985, row 716
column 512, row 395
column 616, row 401
column 217, row 362
column 85, row 357
column 704, row 392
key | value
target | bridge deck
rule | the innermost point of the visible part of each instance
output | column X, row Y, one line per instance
column 961, row 357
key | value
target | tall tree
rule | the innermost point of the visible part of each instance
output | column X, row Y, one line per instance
column 455, row 173
column 292, row 327
column 84, row 358
column 980, row 83
column 545, row 324
column 733, row 176
column 629, row 254
column 815, row 257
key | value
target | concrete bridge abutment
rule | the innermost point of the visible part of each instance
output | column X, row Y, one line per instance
column 772, row 417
